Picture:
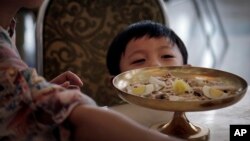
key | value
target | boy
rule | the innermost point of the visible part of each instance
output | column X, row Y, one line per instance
column 145, row 44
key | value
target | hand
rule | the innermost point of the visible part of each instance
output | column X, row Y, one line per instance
column 68, row 80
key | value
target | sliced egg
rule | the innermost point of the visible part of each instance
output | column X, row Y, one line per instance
column 154, row 80
column 157, row 87
column 149, row 89
column 180, row 87
column 158, row 84
column 141, row 89
column 138, row 90
column 213, row 93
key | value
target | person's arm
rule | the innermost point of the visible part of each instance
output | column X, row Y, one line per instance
column 96, row 124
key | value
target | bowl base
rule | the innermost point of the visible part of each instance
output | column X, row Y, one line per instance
column 197, row 133
column 179, row 126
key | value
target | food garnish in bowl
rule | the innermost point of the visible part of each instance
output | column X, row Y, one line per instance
column 181, row 87
column 175, row 89
column 213, row 93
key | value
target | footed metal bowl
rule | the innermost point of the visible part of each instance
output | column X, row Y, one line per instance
column 122, row 80
column 179, row 126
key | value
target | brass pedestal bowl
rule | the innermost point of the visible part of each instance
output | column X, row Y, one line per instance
column 179, row 125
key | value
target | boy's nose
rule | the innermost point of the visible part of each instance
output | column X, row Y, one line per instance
column 155, row 63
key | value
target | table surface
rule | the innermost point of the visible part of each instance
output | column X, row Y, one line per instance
column 218, row 121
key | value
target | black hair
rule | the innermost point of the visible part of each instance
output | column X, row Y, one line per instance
column 135, row 31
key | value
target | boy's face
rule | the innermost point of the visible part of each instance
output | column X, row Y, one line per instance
column 149, row 52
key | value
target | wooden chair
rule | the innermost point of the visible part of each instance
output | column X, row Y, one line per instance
column 75, row 34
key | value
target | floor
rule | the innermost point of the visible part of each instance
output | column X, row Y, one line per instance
column 216, row 32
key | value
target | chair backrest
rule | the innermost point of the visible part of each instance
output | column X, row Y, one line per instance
column 75, row 34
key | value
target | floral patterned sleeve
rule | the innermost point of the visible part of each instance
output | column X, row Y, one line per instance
column 28, row 103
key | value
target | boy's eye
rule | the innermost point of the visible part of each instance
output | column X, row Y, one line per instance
column 167, row 56
column 138, row 61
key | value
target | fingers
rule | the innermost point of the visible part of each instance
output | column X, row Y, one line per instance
column 73, row 78
column 68, row 86
column 65, row 84
column 67, row 76
column 73, row 87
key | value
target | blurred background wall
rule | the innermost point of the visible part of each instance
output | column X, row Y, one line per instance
column 216, row 33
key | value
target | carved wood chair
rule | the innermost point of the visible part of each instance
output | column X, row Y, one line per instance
column 75, row 34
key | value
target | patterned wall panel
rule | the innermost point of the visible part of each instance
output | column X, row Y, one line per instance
column 76, row 35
